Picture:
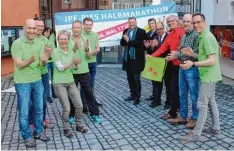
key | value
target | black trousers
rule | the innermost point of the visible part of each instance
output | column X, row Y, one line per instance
column 167, row 81
column 157, row 90
column 175, row 105
column 134, row 83
column 158, row 86
column 86, row 86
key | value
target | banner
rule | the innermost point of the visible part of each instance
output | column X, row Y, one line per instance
column 154, row 69
column 109, row 24
column 225, row 37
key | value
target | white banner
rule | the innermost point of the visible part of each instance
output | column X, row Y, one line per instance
column 109, row 24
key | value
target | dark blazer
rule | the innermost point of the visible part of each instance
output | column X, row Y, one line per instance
column 137, row 65
column 150, row 36
column 166, row 53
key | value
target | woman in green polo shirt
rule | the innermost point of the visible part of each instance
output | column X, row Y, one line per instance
column 63, row 82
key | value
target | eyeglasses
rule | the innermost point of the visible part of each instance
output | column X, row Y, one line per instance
column 197, row 22
column 63, row 39
column 159, row 29
column 186, row 21
column 170, row 21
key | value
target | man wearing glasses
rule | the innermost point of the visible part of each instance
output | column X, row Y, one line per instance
column 157, row 41
column 172, row 43
column 209, row 70
column 188, row 78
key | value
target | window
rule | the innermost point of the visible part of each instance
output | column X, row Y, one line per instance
column 115, row 6
column 127, row 6
column 68, row 1
column 8, row 36
column 137, row 5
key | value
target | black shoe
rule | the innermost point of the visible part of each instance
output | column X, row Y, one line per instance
column 137, row 101
column 30, row 143
column 54, row 95
column 167, row 106
column 155, row 104
column 129, row 99
column 85, row 110
column 42, row 137
column 150, row 98
column 50, row 100
column 67, row 133
column 99, row 104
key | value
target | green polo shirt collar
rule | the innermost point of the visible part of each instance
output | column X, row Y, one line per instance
column 25, row 39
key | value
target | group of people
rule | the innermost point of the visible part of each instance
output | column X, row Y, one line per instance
column 71, row 64
column 192, row 54
column 193, row 66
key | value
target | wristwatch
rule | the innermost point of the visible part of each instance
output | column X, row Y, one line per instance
column 87, row 49
column 194, row 64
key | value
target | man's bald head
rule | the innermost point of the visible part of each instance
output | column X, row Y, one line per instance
column 29, row 29
column 30, row 22
column 188, row 17
column 187, row 22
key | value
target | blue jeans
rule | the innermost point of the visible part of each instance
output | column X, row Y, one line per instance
column 24, row 92
column 92, row 71
column 46, row 85
column 50, row 68
column 189, row 81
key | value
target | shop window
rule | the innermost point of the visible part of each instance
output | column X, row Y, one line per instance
column 8, row 36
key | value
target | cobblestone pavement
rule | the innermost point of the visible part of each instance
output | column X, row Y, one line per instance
column 124, row 126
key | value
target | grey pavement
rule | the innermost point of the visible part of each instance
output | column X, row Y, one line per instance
column 125, row 126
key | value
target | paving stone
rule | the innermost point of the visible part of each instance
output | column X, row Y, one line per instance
column 121, row 142
column 211, row 143
column 124, row 126
column 229, row 140
column 191, row 145
column 96, row 146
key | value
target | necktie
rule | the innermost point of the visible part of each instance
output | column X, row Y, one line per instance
column 160, row 39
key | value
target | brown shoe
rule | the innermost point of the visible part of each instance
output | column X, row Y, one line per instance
column 81, row 129
column 178, row 120
column 166, row 116
column 191, row 123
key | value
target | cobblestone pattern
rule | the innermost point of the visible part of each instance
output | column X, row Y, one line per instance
column 124, row 126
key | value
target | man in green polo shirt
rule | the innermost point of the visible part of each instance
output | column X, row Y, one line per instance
column 81, row 48
column 92, row 37
column 208, row 63
column 44, row 72
column 26, row 52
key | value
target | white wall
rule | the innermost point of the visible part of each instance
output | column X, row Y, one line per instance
column 207, row 8
column 224, row 13
column 218, row 14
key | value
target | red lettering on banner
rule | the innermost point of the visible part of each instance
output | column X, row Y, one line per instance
column 113, row 30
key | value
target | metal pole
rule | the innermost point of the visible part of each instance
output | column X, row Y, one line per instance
column 144, row 3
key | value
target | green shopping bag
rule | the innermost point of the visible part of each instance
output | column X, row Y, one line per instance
column 154, row 69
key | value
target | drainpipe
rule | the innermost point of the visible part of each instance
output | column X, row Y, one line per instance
column 231, row 11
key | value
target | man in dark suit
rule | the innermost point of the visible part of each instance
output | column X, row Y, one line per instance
column 150, row 36
column 134, row 58
column 157, row 41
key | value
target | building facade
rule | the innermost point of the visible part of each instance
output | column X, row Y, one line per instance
column 220, row 20
column 14, row 13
